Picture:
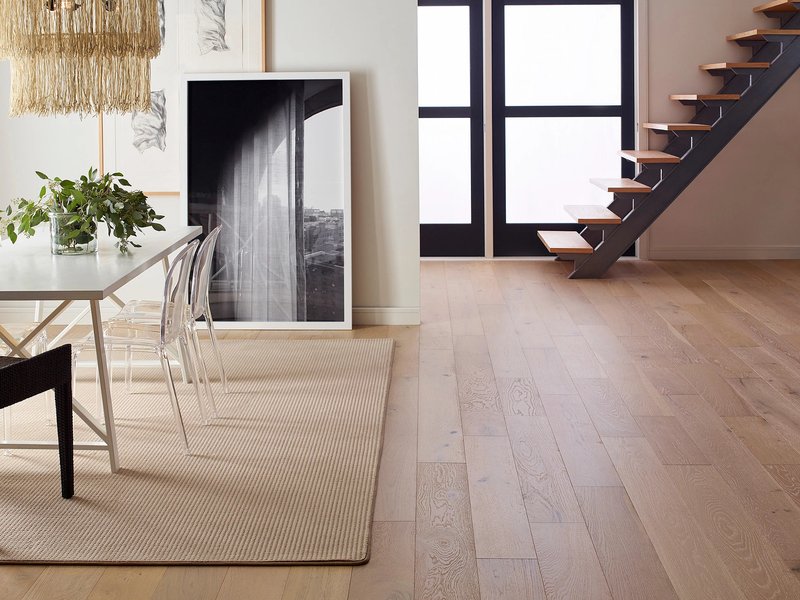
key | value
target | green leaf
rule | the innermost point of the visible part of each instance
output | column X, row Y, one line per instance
column 42, row 175
column 158, row 227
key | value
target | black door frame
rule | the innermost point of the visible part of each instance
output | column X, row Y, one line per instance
column 464, row 239
column 521, row 239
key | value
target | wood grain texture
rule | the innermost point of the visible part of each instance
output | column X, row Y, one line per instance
column 520, row 397
column 764, row 502
column 317, row 583
column 579, row 360
column 479, row 400
column 608, row 412
column 584, row 454
column 498, row 512
column 254, row 583
column 763, row 441
column 439, row 431
column 445, row 564
column 508, row 359
column 190, row 583
column 568, row 562
column 16, row 580
column 671, row 442
column 629, row 561
column 64, row 583
column 549, row 372
column 693, row 566
column 131, row 583
column 637, row 392
column 396, row 497
column 788, row 477
column 504, row 579
column 751, row 560
column 389, row 575
column 545, row 484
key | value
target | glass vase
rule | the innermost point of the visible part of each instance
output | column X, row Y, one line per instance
column 66, row 237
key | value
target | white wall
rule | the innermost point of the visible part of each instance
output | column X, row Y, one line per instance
column 376, row 40
column 746, row 204
column 373, row 39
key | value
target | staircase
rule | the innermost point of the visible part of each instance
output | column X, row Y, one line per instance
column 690, row 147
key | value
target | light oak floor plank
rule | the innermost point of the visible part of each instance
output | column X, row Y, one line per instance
column 317, row 583
column 763, row 441
column 568, row 562
column 439, row 430
column 632, row 567
column 584, row 455
column 390, row 571
column 64, row 583
column 504, row 579
column 254, row 583
column 671, row 442
column 396, row 497
column 499, row 518
column 751, row 560
column 693, row 566
column 190, row 583
column 545, row 484
column 445, row 563
column 16, row 580
column 131, row 583
column 479, row 400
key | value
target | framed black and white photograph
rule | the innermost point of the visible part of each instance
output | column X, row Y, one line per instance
column 267, row 158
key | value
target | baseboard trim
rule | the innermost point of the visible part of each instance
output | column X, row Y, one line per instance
column 378, row 315
column 723, row 252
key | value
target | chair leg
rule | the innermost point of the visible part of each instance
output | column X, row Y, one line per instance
column 128, row 368
column 198, row 351
column 173, row 397
column 213, row 334
column 187, row 353
column 63, row 407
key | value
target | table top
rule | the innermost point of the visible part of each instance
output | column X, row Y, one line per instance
column 28, row 271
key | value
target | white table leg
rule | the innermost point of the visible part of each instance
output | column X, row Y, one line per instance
column 105, row 388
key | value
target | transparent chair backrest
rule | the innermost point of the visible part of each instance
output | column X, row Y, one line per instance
column 202, row 273
column 173, row 309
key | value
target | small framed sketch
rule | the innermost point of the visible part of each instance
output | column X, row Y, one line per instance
column 197, row 36
column 267, row 158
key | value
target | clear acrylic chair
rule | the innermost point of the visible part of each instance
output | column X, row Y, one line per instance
column 170, row 331
column 143, row 311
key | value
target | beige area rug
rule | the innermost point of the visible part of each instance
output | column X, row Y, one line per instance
column 287, row 474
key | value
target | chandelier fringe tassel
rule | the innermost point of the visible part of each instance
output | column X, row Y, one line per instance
column 89, row 85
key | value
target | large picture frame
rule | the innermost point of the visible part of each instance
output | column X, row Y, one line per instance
column 267, row 157
column 197, row 36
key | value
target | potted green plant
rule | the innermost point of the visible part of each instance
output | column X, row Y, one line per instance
column 74, row 209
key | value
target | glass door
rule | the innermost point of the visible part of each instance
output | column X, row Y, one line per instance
column 451, row 127
column 563, row 104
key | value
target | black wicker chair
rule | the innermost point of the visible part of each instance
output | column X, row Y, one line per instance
column 22, row 378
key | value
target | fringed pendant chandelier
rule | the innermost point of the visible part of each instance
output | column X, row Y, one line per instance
column 84, row 56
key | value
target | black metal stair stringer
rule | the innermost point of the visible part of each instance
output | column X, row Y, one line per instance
column 619, row 239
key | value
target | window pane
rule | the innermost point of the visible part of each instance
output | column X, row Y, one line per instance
column 443, row 55
column 444, row 171
column 549, row 162
column 563, row 55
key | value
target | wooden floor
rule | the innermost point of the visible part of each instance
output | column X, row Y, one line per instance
column 636, row 438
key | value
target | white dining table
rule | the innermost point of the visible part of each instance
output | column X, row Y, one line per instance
column 28, row 271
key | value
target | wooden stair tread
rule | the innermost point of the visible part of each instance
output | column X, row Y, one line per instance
column 701, row 97
column 565, row 242
column 592, row 214
column 677, row 126
column 734, row 65
column 621, row 186
column 759, row 34
column 776, row 6
column 645, row 157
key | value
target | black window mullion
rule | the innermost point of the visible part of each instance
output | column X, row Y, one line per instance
column 512, row 239
column 463, row 239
